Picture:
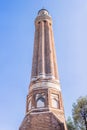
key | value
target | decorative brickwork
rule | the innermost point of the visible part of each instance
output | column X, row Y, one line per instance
column 42, row 121
column 44, row 105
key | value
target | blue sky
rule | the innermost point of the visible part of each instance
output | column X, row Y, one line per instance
column 16, row 47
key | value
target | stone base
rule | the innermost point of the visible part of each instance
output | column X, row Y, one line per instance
column 41, row 121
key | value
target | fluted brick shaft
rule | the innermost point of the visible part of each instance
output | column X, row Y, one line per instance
column 44, row 58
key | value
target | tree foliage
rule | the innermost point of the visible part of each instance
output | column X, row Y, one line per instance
column 70, row 124
column 80, row 105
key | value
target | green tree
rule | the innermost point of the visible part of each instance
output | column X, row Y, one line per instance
column 77, row 111
column 70, row 124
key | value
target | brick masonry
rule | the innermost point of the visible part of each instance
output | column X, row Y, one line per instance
column 42, row 121
column 44, row 105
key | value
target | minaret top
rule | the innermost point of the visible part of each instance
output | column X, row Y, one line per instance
column 43, row 15
column 43, row 12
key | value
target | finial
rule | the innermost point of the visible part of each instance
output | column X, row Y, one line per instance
column 43, row 7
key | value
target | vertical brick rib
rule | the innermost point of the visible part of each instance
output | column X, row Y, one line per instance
column 51, row 51
column 48, row 50
column 54, row 56
column 41, row 49
column 46, row 46
column 35, row 52
column 47, row 58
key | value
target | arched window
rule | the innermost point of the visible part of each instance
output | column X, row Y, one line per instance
column 55, row 103
column 40, row 102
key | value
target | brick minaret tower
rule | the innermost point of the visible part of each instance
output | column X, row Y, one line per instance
column 44, row 106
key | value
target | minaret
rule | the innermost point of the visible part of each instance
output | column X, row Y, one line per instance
column 44, row 106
